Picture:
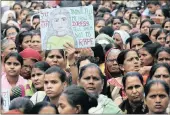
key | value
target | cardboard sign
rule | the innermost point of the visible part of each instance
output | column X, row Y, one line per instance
column 68, row 24
column 6, row 99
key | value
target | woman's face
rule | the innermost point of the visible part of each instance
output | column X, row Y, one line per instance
column 153, row 35
column 91, row 81
column 137, row 44
column 35, row 22
column 118, row 40
column 17, row 9
column 37, row 78
column 126, row 15
column 111, row 62
column 162, row 74
column 167, row 41
column 12, row 67
column 131, row 62
column 167, row 26
column 60, row 24
column 10, row 48
column 64, row 106
column 54, row 57
column 26, row 43
column 36, row 42
column 28, row 20
column 163, row 57
column 145, row 57
column 11, row 33
column 134, row 89
column 116, row 24
column 10, row 16
column 145, row 28
column 157, row 99
column 160, row 15
column 134, row 19
column 23, row 14
column 161, row 39
column 53, row 86
column 138, row 24
column 99, row 25
column 47, row 110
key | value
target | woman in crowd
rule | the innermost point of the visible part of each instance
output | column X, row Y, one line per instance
column 161, row 36
column 153, row 31
column 160, row 71
column 145, row 26
column 99, row 23
column 7, row 46
column 133, row 17
column 138, row 40
column 163, row 55
column 167, row 40
column 8, row 15
column 134, row 89
column 162, row 14
column 54, row 84
column 72, row 101
column 157, row 96
column 91, row 79
column 23, row 40
column 166, row 24
column 35, row 84
column 114, row 75
column 44, row 108
column 11, row 32
column 12, row 66
column 36, row 40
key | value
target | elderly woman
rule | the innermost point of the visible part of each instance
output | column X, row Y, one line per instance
column 91, row 79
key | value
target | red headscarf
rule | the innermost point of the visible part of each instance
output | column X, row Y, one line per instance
column 30, row 53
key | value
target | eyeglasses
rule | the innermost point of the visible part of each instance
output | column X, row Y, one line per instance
column 12, row 34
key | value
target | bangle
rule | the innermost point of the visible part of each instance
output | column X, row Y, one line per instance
column 74, row 64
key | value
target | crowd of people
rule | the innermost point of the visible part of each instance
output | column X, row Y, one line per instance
column 127, row 72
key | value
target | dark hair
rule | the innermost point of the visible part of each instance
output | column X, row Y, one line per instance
column 48, row 51
column 107, row 30
column 90, row 65
column 26, row 26
column 155, row 67
column 97, row 20
column 99, row 52
column 165, row 12
column 57, row 69
column 165, row 21
column 154, row 2
column 127, row 25
column 131, row 74
column 161, row 31
column 43, row 66
column 39, row 106
column 16, row 55
column 154, row 27
column 17, row 4
column 22, row 103
column 90, row 58
column 122, row 55
column 143, row 37
column 147, row 20
column 100, row 73
column 151, row 48
column 134, row 12
column 120, row 18
column 161, row 49
column 152, row 82
column 8, row 27
column 19, row 39
column 35, row 16
column 78, row 96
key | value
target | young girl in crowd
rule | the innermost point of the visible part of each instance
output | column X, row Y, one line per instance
column 12, row 67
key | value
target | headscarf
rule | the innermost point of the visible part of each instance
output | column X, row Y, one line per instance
column 30, row 53
column 123, row 34
column 5, row 16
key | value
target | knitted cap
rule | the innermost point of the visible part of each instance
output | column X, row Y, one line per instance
column 18, row 91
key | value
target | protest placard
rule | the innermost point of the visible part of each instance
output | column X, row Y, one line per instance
column 6, row 99
column 68, row 24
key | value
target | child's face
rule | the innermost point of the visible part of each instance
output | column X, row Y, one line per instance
column 152, row 8
column 12, row 67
